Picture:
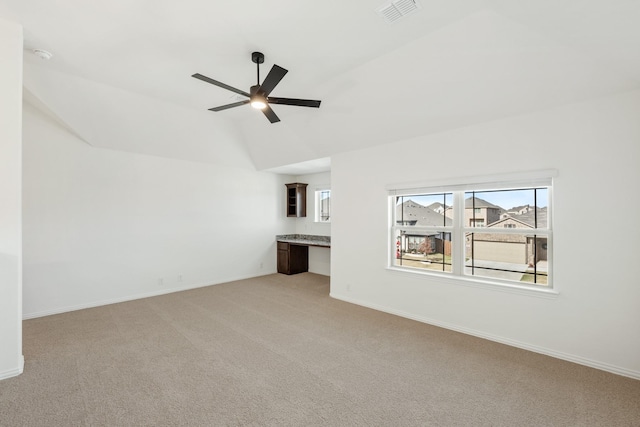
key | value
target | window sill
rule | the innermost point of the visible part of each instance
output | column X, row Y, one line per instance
column 480, row 283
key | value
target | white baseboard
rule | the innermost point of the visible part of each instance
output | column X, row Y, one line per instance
column 13, row 372
column 92, row 304
column 514, row 343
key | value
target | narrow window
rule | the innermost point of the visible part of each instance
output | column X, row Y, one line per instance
column 323, row 206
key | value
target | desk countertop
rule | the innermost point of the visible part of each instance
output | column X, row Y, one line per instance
column 305, row 239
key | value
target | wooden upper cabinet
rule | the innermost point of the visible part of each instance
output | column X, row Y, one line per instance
column 297, row 199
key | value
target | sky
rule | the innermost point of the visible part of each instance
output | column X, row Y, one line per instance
column 506, row 199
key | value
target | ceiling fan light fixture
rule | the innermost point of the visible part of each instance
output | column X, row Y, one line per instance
column 258, row 102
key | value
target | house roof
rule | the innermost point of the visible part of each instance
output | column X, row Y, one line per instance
column 518, row 208
column 530, row 217
column 470, row 203
column 423, row 215
column 120, row 73
column 527, row 219
column 510, row 219
column 436, row 205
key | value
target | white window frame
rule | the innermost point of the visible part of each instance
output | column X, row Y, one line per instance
column 318, row 205
column 459, row 229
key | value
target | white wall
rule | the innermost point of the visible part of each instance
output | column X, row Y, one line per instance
column 10, row 194
column 319, row 258
column 102, row 225
column 595, row 146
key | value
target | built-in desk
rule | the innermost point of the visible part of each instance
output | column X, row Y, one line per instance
column 293, row 251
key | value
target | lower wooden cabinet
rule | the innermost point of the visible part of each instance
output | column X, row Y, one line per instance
column 292, row 259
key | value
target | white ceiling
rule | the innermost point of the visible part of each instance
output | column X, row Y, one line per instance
column 453, row 63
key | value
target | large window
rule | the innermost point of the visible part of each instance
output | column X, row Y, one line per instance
column 500, row 233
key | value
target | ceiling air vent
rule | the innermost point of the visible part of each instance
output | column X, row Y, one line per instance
column 395, row 10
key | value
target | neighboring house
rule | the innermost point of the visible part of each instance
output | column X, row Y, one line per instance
column 510, row 222
column 517, row 249
column 411, row 213
column 478, row 212
column 511, row 248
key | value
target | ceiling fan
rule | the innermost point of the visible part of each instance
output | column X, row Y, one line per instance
column 259, row 94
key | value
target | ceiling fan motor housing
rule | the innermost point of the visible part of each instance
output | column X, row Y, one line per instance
column 257, row 57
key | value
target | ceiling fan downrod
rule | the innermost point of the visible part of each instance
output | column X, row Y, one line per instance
column 257, row 58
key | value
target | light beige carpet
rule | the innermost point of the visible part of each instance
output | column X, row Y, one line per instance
column 278, row 351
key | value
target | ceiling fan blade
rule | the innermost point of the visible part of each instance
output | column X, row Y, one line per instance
column 226, row 107
column 219, row 84
column 296, row 102
column 273, row 78
column 270, row 114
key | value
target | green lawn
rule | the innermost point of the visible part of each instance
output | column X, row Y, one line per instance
column 528, row 278
column 420, row 261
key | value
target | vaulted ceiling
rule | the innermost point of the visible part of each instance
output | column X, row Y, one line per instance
column 120, row 74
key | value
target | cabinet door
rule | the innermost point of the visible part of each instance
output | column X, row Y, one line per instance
column 283, row 258
column 283, row 262
column 298, row 259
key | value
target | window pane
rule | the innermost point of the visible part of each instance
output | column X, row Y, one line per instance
column 520, row 208
column 433, row 210
column 323, row 205
column 517, row 257
column 430, row 250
